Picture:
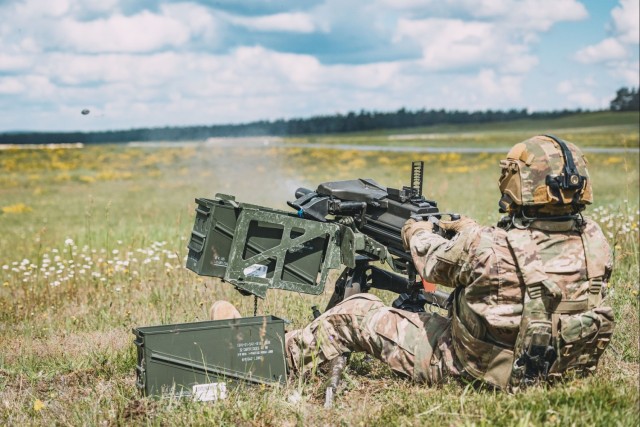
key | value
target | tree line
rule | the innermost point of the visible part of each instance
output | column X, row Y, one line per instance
column 338, row 123
column 626, row 99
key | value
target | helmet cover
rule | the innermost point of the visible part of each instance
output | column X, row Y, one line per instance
column 545, row 173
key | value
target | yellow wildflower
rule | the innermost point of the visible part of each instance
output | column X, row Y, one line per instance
column 17, row 208
column 38, row 405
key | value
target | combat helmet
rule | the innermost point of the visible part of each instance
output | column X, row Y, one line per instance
column 544, row 176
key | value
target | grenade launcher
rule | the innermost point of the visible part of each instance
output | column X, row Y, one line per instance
column 350, row 223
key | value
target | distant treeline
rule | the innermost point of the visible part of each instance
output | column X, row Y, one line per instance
column 338, row 123
column 626, row 99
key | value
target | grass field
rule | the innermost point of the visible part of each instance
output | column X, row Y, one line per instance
column 94, row 240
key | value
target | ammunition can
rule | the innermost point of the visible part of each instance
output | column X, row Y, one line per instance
column 212, row 236
column 203, row 360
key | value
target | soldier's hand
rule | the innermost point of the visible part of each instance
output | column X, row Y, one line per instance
column 457, row 225
column 411, row 227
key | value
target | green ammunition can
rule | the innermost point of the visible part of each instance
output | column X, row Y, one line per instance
column 203, row 360
column 212, row 236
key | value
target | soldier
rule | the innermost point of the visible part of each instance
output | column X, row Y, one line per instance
column 528, row 293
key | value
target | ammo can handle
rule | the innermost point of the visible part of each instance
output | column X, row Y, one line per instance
column 140, row 377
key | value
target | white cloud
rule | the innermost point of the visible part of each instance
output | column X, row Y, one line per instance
column 540, row 15
column 92, row 6
column 179, row 62
column 618, row 53
column 607, row 50
column 30, row 86
column 489, row 84
column 628, row 71
column 142, row 32
column 147, row 70
column 584, row 100
column 454, row 44
column 487, row 8
column 580, row 93
column 564, row 87
column 285, row 22
column 448, row 43
column 14, row 62
column 250, row 83
column 501, row 38
column 44, row 8
column 405, row 4
column 626, row 21
column 88, row 27
column 531, row 15
column 199, row 19
column 10, row 86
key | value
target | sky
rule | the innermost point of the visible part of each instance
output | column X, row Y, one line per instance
column 154, row 63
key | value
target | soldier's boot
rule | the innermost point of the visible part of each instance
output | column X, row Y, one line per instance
column 222, row 310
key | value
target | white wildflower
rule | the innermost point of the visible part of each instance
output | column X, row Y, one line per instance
column 68, row 242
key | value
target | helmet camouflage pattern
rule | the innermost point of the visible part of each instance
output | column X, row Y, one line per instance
column 545, row 175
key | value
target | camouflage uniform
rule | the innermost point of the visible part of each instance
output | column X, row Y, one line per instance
column 480, row 337
column 412, row 344
column 553, row 271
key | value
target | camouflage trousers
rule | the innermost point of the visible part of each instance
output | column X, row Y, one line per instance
column 416, row 345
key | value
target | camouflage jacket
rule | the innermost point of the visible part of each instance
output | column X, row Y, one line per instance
column 480, row 263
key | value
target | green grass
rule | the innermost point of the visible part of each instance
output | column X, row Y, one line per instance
column 601, row 129
column 67, row 354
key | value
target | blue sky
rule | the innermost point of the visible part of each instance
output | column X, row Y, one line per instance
column 172, row 63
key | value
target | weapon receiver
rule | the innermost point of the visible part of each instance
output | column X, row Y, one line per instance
column 350, row 223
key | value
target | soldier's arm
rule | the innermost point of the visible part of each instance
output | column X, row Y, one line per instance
column 440, row 260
